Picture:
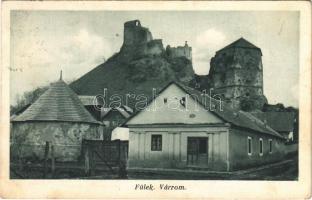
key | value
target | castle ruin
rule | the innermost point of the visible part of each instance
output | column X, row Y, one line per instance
column 135, row 34
column 180, row 51
column 139, row 41
column 236, row 74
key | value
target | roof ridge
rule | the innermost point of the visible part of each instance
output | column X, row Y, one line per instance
column 58, row 103
column 240, row 40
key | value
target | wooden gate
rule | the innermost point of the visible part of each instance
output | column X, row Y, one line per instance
column 105, row 154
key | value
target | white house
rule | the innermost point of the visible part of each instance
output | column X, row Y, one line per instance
column 183, row 128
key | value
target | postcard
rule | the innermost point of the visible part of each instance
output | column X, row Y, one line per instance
column 156, row 99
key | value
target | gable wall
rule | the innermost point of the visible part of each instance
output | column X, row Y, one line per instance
column 114, row 119
column 173, row 112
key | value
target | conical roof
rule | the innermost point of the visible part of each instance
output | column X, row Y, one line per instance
column 58, row 103
column 241, row 43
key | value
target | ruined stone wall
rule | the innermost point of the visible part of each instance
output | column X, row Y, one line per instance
column 138, row 41
column 28, row 138
column 180, row 51
column 236, row 74
column 154, row 47
column 135, row 34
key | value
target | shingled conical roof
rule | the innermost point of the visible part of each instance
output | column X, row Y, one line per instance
column 58, row 103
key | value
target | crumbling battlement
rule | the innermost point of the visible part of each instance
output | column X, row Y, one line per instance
column 179, row 51
column 135, row 34
column 139, row 41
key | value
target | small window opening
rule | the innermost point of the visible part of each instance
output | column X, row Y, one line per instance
column 183, row 101
column 271, row 146
column 249, row 145
column 260, row 147
column 165, row 100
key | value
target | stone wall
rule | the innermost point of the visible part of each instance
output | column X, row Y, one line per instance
column 139, row 41
column 179, row 51
column 153, row 48
column 236, row 74
column 28, row 138
column 135, row 34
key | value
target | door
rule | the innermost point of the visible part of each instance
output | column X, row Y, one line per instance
column 197, row 151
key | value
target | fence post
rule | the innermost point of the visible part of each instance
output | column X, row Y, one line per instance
column 46, row 153
column 52, row 160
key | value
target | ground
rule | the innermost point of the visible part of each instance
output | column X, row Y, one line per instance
column 286, row 170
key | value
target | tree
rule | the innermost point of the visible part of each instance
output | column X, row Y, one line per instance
column 27, row 98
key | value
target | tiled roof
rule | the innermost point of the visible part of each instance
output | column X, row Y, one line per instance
column 241, row 43
column 235, row 117
column 58, row 103
column 279, row 121
column 88, row 100
column 125, row 111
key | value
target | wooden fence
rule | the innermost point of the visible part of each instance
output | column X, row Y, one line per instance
column 108, row 153
column 97, row 157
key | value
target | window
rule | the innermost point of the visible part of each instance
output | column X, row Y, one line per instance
column 270, row 146
column 249, row 145
column 183, row 101
column 260, row 147
column 156, row 143
column 165, row 100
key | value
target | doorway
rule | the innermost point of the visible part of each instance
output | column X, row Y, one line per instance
column 197, row 151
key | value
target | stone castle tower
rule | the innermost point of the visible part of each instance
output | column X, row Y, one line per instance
column 236, row 75
column 138, row 41
column 135, row 34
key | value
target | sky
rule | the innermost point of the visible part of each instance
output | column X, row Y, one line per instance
column 45, row 42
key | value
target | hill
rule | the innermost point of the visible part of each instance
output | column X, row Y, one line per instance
column 141, row 65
